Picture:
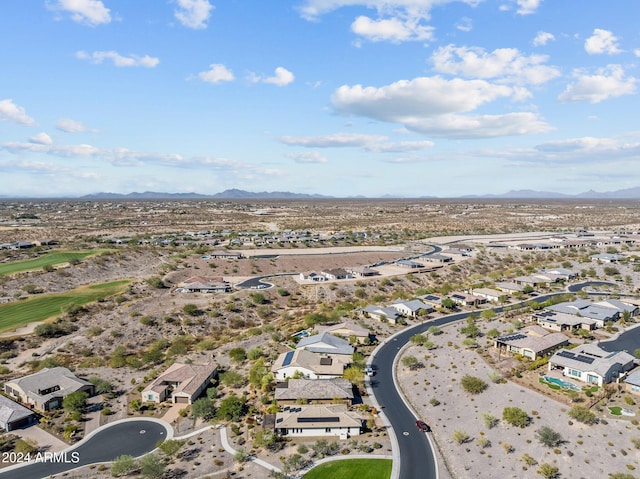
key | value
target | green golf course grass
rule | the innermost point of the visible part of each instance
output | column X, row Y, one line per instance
column 53, row 258
column 42, row 307
column 352, row 468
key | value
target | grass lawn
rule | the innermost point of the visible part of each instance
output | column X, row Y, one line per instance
column 351, row 469
column 616, row 410
column 53, row 258
column 39, row 308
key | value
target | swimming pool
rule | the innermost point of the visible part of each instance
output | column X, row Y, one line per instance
column 561, row 383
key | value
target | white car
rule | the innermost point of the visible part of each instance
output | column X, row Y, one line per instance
column 369, row 371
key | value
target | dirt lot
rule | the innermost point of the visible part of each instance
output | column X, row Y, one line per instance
column 588, row 451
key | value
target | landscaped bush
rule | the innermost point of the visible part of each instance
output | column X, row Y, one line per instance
column 515, row 416
column 472, row 384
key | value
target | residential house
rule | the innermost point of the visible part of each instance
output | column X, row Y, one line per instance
column 362, row 271
column 632, row 382
column 180, row 383
column 306, row 364
column 46, row 389
column 509, row 287
column 407, row 263
column 431, row 300
column 13, row 415
column 562, row 273
column 381, row 313
column 601, row 313
column 347, row 329
column 489, row 294
column 201, row 284
column 436, row 258
column 312, row 391
column 325, row 343
column 606, row 257
column 531, row 342
column 556, row 321
column 590, row 364
column 334, row 420
column 412, row 308
column 312, row 276
column 225, row 255
column 465, row 299
column 336, row 273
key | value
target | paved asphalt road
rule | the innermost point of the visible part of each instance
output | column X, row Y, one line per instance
column 136, row 438
column 417, row 460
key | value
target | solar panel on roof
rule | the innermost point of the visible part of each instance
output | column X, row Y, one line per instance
column 584, row 359
column 566, row 354
column 319, row 419
column 288, row 358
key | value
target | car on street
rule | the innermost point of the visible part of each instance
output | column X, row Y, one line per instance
column 369, row 371
column 422, row 426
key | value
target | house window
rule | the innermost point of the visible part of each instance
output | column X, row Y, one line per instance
column 327, row 429
column 592, row 379
column 574, row 373
column 150, row 397
column 635, row 389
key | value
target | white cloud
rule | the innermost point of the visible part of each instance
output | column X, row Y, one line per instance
column 9, row 111
column 281, row 77
column 336, row 140
column 507, row 64
column 72, row 126
column 395, row 30
column 193, row 13
column 307, row 157
column 418, row 98
column 527, row 7
column 542, row 38
column 41, row 139
column 479, row 126
column 119, row 60
column 217, row 73
column 313, row 9
column 607, row 82
column 602, row 41
column 400, row 147
column 87, row 12
column 583, row 144
column 465, row 24
column 636, row 52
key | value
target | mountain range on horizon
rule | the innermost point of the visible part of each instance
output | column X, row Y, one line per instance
column 237, row 194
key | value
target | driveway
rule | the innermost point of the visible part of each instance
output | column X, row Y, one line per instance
column 135, row 437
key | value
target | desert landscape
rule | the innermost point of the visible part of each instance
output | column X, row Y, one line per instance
column 151, row 253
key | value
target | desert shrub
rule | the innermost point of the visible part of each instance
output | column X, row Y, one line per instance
column 472, row 384
column 515, row 416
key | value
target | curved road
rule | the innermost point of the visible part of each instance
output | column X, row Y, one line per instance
column 417, row 460
column 133, row 437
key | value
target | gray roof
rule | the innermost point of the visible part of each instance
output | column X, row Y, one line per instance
column 587, row 309
column 590, row 358
column 325, row 343
column 390, row 313
column 414, row 305
column 11, row 411
column 329, row 415
column 633, row 378
column 314, row 389
column 63, row 381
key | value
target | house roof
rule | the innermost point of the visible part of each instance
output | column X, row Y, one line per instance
column 414, row 305
column 188, row 377
column 317, row 416
column 509, row 286
column 320, row 364
column 563, row 318
column 633, row 378
column 590, row 358
column 325, row 343
column 314, row 389
column 11, row 411
column 390, row 313
column 59, row 380
column 346, row 328
column 534, row 338
column 488, row 292
column 586, row 308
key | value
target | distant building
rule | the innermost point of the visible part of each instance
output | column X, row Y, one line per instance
column 333, row 420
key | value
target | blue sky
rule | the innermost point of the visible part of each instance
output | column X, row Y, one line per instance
column 339, row 97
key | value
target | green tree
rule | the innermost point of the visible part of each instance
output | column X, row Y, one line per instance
column 238, row 355
column 515, row 416
column 231, row 408
column 549, row 437
column 170, row 447
column 582, row 414
column 152, row 466
column 256, row 373
column 488, row 314
column 233, row 379
column 472, row 384
column 123, row 465
column 203, row 408
column 102, row 385
column 190, row 309
column 75, row 402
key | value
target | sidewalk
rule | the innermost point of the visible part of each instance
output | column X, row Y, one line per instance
column 231, row 450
